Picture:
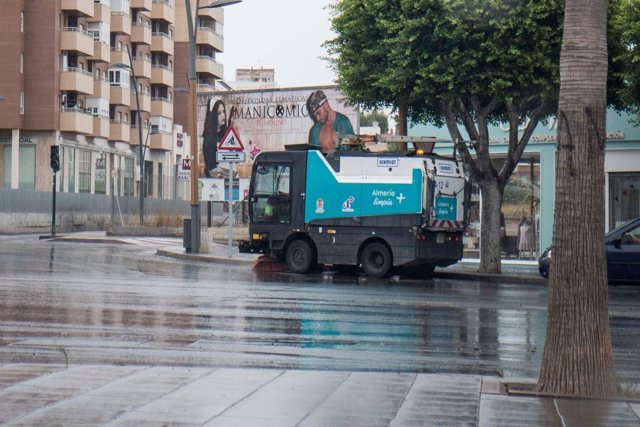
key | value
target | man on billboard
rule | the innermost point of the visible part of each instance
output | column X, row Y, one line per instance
column 328, row 124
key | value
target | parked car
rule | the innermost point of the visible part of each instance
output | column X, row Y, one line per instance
column 622, row 246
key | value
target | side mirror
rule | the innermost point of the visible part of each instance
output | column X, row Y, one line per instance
column 617, row 243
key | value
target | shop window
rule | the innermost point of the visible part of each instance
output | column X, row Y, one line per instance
column 100, row 177
column 148, row 179
column 68, row 169
column 84, row 171
column 520, row 204
column 129, row 165
column 27, row 171
column 624, row 198
column 160, row 182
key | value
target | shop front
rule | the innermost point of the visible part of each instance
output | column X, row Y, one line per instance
column 528, row 202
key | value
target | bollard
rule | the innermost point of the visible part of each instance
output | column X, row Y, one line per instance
column 186, row 235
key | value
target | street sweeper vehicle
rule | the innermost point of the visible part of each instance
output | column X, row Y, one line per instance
column 356, row 208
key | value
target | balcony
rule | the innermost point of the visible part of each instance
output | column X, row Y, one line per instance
column 78, row 40
column 164, row 10
column 162, row 42
column 101, row 126
column 142, row 67
column 101, row 13
column 209, row 37
column 208, row 65
column 161, row 107
column 76, row 80
column 119, row 56
column 161, row 141
column 121, row 23
column 76, row 120
column 216, row 14
column 119, row 131
column 81, row 7
column 145, row 5
column 161, row 75
column 145, row 102
column 206, row 88
column 101, row 52
column 135, row 138
column 141, row 33
column 119, row 95
column 101, row 88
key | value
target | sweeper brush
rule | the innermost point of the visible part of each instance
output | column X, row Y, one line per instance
column 265, row 264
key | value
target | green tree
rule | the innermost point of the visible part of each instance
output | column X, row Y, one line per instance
column 624, row 56
column 367, row 119
column 578, row 357
column 361, row 54
column 459, row 63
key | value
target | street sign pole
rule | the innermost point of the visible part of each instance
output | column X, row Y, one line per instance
column 230, row 218
column 230, row 150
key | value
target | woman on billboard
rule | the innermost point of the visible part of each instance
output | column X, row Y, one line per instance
column 215, row 126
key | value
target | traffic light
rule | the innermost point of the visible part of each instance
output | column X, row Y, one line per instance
column 55, row 158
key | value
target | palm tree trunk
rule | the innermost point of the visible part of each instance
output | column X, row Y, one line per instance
column 577, row 356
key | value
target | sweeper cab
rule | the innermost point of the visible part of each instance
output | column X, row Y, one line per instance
column 376, row 210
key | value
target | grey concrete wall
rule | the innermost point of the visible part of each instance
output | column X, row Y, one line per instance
column 26, row 211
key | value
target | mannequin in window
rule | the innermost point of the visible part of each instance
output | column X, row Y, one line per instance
column 525, row 236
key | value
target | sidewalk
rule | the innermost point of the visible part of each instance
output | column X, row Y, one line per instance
column 91, row 395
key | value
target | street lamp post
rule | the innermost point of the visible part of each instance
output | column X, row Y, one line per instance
column 139, row 125
column 193, row 116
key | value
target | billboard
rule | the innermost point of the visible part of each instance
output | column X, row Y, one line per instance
column 269, row 119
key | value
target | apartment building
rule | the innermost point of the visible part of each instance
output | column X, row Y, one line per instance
column 209, row 25
column 69, row 74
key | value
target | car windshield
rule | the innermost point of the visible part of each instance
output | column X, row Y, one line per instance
column 619, row 227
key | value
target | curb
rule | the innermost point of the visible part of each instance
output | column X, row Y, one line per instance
column 492, row 278
column 63, row 238
column 204, row 258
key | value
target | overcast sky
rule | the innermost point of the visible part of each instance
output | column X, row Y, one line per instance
column 286, row 35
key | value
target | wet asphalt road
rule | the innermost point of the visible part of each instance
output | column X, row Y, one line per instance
column 115, row 304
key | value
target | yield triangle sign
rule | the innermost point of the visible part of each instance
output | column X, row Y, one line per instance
column 231, row 141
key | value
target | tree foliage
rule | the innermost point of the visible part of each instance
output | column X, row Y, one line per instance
column 367, row 119
column 624, row 56
column 459, row 63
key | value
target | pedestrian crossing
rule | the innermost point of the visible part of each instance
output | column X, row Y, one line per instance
column 153, row 241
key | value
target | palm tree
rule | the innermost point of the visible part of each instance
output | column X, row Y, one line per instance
column 577, row 357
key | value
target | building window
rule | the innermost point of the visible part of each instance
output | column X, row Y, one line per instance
column 27, row 170
column 22, row 103
column 84, row 171
column 21, row 62
column 119, row 78
column 68, row 166
column 100, row 178
column 22, row 22
column 160, row 181
column 128, row 176
column 624, row 198
column 148, row 179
